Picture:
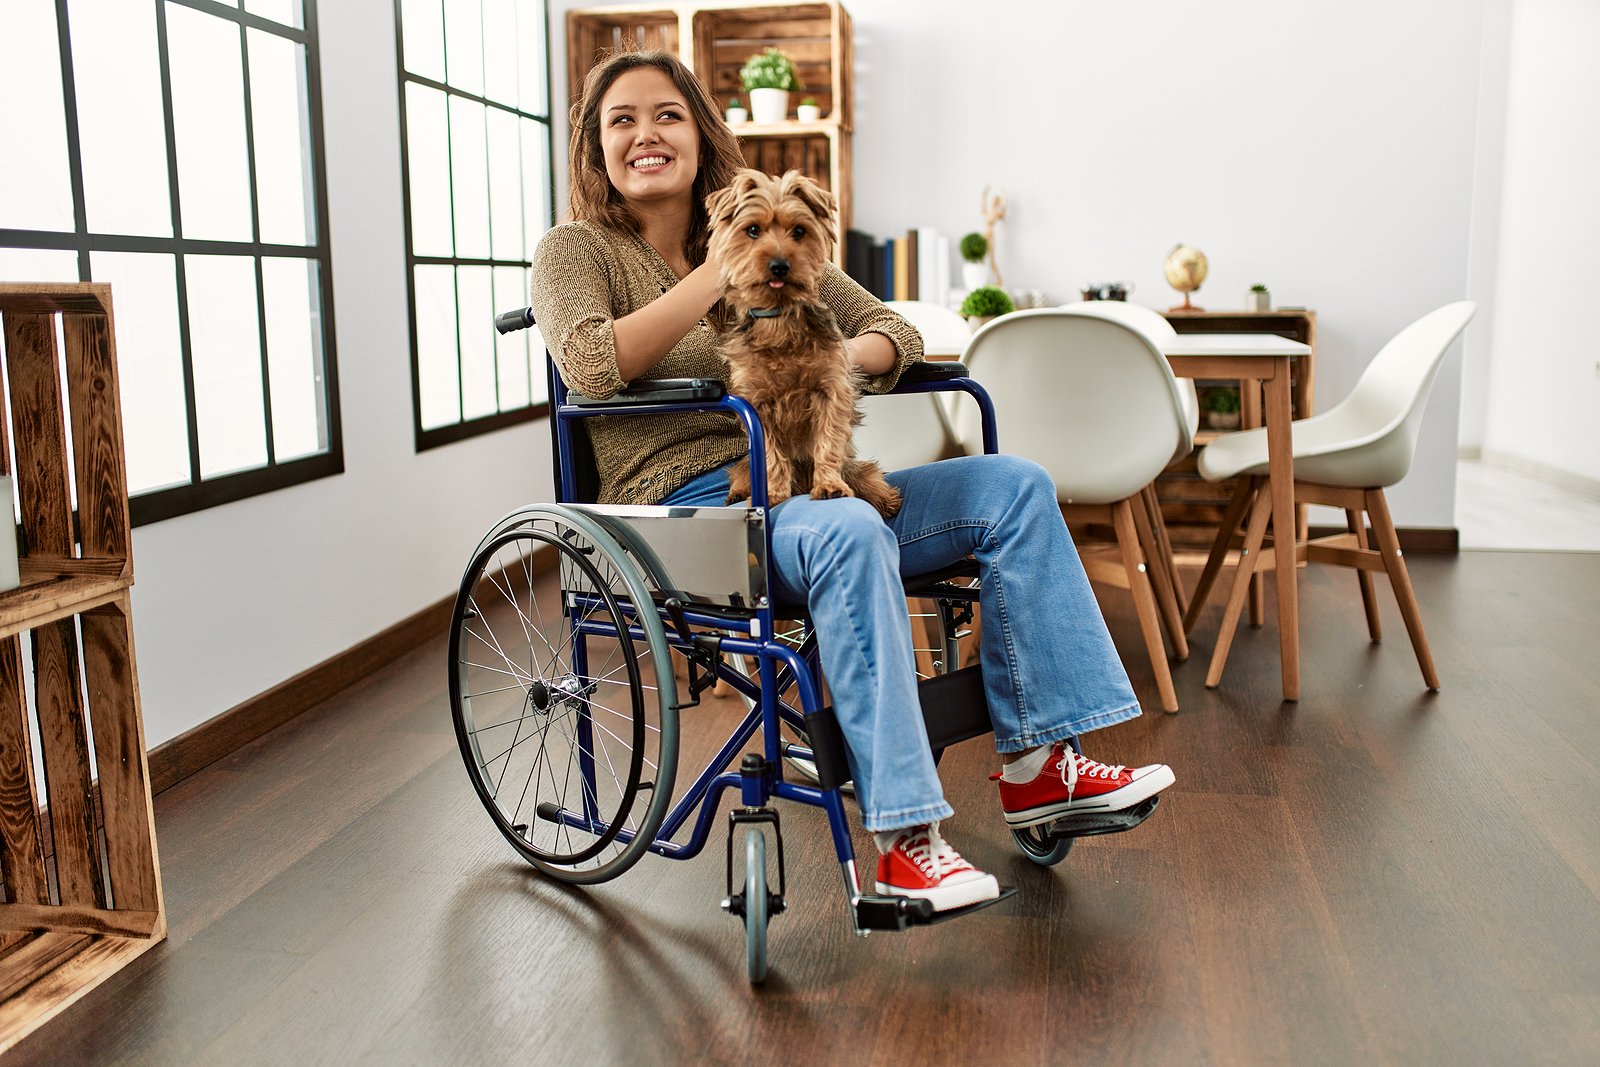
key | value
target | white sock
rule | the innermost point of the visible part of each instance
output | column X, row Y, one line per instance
column 1028, row 767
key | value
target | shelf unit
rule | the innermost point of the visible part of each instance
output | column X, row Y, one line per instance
column 77, row 847
column 714, row 40
column 1192, row 506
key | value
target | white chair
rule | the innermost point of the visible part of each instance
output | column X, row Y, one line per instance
column 905, row 431
column 1344, row 458
column 1093, row 401
column 1155, row 326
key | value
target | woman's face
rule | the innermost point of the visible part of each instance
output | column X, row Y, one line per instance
column 648, row 137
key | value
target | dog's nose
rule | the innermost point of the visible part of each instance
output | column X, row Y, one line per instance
column 779, row 267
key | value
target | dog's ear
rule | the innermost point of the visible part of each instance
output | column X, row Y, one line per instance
column 817, row 200
column 723, row 205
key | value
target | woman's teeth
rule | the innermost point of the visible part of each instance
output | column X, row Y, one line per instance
column 648, row 161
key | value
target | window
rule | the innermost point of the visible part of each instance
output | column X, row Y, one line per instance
column 475, row 131
column 174, row 150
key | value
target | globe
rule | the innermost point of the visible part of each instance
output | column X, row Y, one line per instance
column 1186, row 269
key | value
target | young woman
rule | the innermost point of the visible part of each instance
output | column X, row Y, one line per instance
column 624, row 292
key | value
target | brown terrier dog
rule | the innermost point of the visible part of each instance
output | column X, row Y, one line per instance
column 785, row 353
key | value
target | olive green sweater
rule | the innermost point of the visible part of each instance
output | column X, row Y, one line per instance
column 584, row 277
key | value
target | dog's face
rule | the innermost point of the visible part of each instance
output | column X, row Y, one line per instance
column 772, row 237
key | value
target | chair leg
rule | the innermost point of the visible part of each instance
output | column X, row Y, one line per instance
column 1369, row 601
column 1242, row 496
column 1158, row 523
column 1400, row 579
column 1144, row 601
column 1246, row 570
column 1159, row 568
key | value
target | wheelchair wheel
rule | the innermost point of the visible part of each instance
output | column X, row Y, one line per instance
column 755, row 906
column 569, row 729
column 1043, row 848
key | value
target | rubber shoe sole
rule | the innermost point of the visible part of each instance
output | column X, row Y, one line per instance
column 1140, row 789
column 946, row 897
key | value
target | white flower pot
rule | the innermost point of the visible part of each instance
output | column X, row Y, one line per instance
column 769, row 106
column 974, row 275
column 977, row 322
column 1254, row 301
column 737, row 116
column 808, row 113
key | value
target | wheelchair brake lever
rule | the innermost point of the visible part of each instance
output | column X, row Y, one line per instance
column 704, row 653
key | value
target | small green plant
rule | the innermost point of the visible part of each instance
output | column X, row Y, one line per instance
column 1222, row 401
column 986, row 301
column 733, row 101
column 809, row 101
column 768, row 70
column 1258, row 288
column 974, row 246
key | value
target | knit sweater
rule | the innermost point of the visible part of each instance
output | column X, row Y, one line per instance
column 584, row 277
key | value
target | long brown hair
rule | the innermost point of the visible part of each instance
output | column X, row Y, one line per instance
column 592, row 197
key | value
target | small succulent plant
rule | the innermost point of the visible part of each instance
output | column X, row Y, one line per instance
column 768, row 70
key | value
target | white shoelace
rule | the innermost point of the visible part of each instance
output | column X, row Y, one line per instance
column 931, row 853
column 1074, row 766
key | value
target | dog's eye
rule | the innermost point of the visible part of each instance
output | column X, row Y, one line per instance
column 752, row 231
column 798, row 233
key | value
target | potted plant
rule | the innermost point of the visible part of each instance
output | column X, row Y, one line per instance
column 984, row 303
column 808, row 111
column 767, row 79
column 736, row 114
column 974, row 275
column 1258, row 299
column 1222, row 409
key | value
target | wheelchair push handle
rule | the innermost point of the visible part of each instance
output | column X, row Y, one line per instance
column 512, row 321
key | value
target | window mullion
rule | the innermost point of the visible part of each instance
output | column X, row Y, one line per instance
column 180, row 268
column 255, row 237
column 69, row 109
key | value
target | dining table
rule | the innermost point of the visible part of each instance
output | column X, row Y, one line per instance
column 1263, row 365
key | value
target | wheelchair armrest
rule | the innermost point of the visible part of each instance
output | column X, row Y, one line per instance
column 657, row 391
column 928, row 371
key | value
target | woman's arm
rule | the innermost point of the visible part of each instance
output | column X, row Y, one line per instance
column 874, row 353
column 645, row 337
column 880, row 342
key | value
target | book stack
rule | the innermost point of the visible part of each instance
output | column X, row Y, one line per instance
column 913, row 267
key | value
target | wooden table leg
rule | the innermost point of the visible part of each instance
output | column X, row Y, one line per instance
column 1280, row 452
column 1250, row 411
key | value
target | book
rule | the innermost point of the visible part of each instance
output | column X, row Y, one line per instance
column 913, row 263
column 902, row 269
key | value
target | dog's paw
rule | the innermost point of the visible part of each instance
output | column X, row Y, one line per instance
column 830, row 489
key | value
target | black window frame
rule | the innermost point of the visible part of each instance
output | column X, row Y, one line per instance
column 202, row 492
column 464, row 429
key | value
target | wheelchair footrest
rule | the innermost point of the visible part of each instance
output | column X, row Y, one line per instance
column 880, row 912
column 1091, row 823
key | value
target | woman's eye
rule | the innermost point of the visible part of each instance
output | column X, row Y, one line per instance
column 799, row 233
column 668, row 115
column 752, row 231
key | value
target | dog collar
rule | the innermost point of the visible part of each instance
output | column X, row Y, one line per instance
column 765, row 313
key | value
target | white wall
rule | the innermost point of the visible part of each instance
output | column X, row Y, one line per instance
column 1324, row 149
column 1542, row 404
column 231, row 601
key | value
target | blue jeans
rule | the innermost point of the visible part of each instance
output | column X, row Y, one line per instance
column 1049, row 668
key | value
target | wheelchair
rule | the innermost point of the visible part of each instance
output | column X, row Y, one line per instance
column 581, row 632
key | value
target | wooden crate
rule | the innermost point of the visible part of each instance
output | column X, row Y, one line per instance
column 78, row 853
column 714, row 40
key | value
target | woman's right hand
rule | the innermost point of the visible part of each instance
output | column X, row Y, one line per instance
column 643, row 338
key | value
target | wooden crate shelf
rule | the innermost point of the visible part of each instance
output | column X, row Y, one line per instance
column 77, row 849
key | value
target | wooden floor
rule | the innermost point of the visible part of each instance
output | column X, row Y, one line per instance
column 1370, row 875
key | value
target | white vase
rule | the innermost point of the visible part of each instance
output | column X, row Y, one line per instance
column 769, row 106
column 974, row 275
column 977, row 322
column 808, row 113
column 737, row 116
column 1254, row 301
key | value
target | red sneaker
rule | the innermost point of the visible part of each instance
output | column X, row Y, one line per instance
column 1070, row 783
column 921, row 864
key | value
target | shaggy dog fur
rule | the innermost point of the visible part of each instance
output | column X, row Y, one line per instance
column 785, row 353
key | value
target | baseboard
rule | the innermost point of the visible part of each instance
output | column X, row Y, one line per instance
column 174, row 760
column 1544, row 472
column 1422, row 540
